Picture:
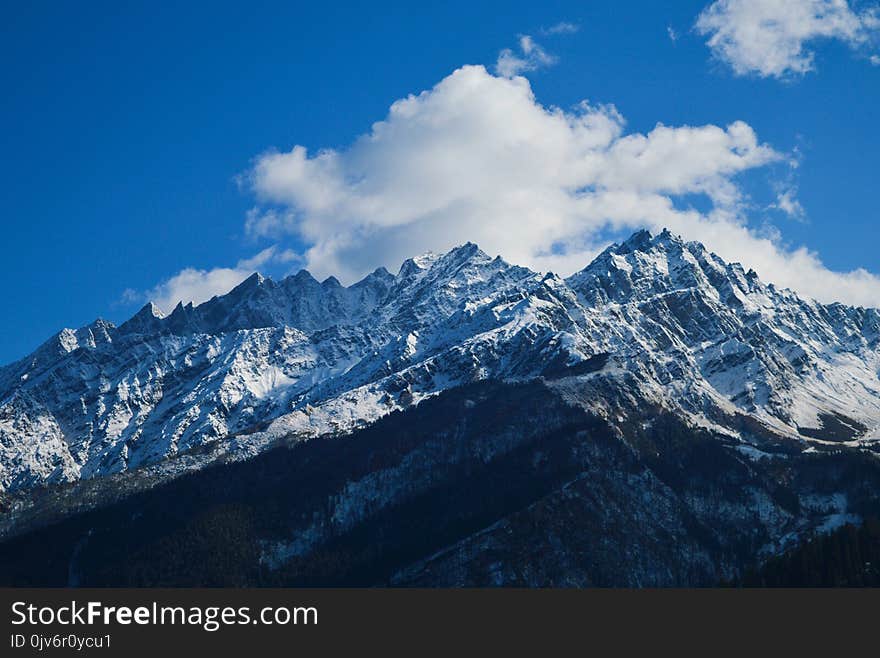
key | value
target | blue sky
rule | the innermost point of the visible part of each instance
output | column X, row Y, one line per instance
column 132, row 134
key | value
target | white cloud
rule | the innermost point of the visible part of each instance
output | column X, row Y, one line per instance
column 875, row 60
column 786, row 201
column 197, row 286
column 477, row 158
column 772, row 38
column 270, row 223
column 530, row 57
column 563, row 27
column 673, row 35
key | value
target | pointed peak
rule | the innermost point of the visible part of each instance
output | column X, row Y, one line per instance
column 181, row 309
column 467, row 249
column 302, row 277
column 150, row 310
column 145, row 320
column 255, row 279
column 668, row 237
column 380, row 274
column 643, row 240
column 244, row 289
column 331, row 282
column 426, row 260
column 98, row 324
column 408, row 268
column 97, row 332
column 638, row 241
column 418, row 264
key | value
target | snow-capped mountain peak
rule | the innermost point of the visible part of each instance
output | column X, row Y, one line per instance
column 654, row 319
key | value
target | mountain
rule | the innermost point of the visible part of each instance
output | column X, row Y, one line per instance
column 679, row 365
column 674, row 323
column 490, row 483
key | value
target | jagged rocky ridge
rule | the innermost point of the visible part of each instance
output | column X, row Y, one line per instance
column 654, row 322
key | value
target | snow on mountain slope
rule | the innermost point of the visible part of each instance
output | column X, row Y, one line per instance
column 785, row 360
column 655, row 319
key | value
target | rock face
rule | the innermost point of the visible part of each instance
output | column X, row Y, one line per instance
column 654, row 321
